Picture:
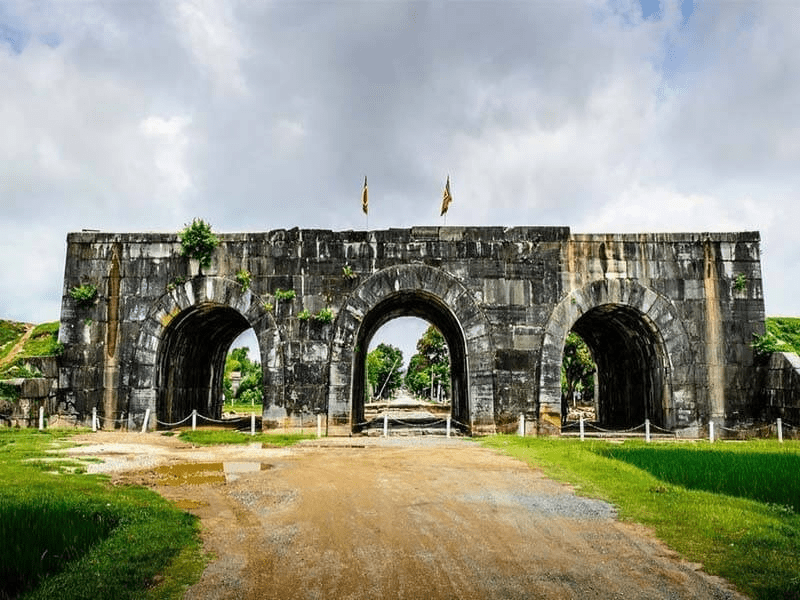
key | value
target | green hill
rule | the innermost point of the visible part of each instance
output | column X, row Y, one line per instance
column 19, row 341
column 787, row 330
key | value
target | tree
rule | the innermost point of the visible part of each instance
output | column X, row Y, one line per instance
column 430, row 365
column 251, row 386
column 385, row 370
column 198, row 242
column 577, row 370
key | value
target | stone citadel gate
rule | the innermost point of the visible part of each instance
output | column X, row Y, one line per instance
column 669, row 319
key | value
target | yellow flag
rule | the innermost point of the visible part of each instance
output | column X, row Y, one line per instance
column 446, row 198
column 364, row 198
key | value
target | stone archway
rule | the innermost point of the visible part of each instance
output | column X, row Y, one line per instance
column 182, row 344
column 429, row 293
column 635, row 334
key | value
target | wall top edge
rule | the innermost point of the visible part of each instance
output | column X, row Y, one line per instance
column 718, row 236
column 419, row 233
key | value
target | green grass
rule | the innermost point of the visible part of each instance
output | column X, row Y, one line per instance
column 243, row 407
column 211, row 437
column 786, row 329
column 68, row 535
column 714, row 504
column 43, row 341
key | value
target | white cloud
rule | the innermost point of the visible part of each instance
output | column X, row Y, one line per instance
column 208, row 30
column 542, row 113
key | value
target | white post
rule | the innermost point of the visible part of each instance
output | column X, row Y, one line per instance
column 41, row 418
column 780, row 430
column 581, row 428
column 146, row 420
column 319, row 425
column 385, row 424
column 647, row 430
column 448, row 425
column 194, row 419
column 94, row 419
column 711, row 431
column 521, row 428
column 252, row 423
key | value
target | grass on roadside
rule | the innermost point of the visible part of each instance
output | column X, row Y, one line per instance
column 69, row 535
column 210, row 437
column 242, row 408
column 714, row 504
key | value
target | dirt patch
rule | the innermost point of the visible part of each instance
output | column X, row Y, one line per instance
column 400, row 518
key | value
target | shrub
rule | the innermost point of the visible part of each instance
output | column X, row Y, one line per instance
column 198, row 242
column 84, row 295
column 324, row 316
column 304, row 315
column 764, row 345
column 243, row 279
column 281, row 295
column 347, row 272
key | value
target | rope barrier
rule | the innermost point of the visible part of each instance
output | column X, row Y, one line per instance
column 174, row 424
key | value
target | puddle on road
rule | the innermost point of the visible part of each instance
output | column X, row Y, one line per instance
column 202, row 473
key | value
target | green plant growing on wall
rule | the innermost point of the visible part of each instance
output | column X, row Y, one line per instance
column 175, row 283
column 198, row 242
column 243, row 279
column 9, row 392
column 324, row 316
column 347, row 272
column 304, row 315
column 268, row 306
column 284, row 295
column 84, row 295
column 740, row 283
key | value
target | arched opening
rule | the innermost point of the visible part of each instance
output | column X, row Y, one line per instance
column 631, row 365
column 431, row 309
column 191, row 360
column 243, row 377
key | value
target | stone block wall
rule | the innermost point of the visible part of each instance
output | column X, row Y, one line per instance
column 781, row 388
column 505, row 298
column 30, row 394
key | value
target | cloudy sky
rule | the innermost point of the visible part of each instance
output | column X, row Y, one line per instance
column 602, row 115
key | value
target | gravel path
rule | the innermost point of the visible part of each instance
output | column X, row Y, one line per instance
column 412, row 518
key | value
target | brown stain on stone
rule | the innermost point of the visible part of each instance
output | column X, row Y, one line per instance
column 111, row 367
column 715, row 356
column 113, row 303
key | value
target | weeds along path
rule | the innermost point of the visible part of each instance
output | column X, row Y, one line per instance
column 399, row 518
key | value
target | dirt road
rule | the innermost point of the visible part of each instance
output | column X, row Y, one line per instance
column 398, row 518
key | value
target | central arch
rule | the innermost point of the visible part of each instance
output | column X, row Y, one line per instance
column 436, row 296
column 430, row 308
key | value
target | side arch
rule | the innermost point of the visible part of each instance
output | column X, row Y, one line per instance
column 203, row 315
column 430, row 293
column 627, row 305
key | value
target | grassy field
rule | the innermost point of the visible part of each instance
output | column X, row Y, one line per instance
column 731, row 506
column 69, row 535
